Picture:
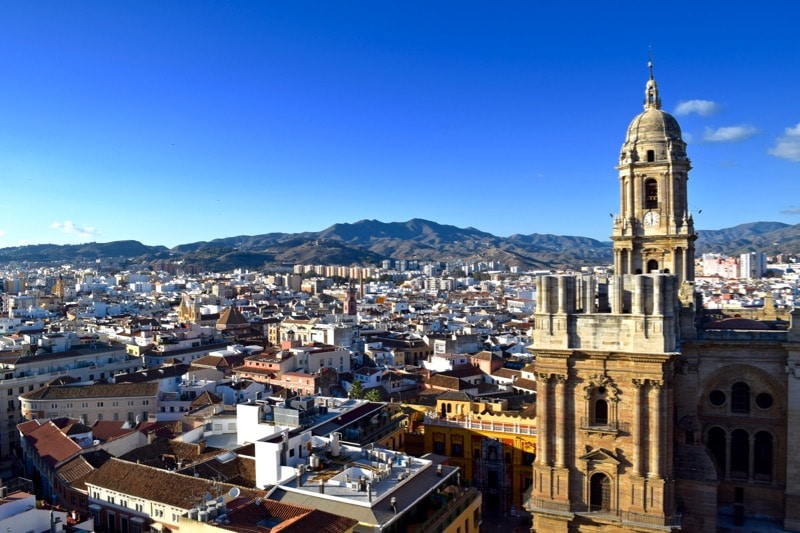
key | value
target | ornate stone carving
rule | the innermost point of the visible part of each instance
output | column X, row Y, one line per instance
column 601, row 380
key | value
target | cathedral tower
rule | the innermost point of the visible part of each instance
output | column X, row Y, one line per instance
column 654, row 231
column 606, row 351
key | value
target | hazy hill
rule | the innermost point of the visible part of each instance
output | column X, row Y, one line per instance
column 367, row 242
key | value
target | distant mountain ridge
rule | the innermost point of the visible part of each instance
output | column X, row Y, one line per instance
column 368, row 242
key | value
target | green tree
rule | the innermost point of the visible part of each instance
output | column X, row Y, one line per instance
column 356, row 390
column 373, row 395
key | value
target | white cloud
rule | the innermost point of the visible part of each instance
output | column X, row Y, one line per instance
column 703, row 108
column 788, row 146
column 70, row 227
column 729, row 134
column 2, row 233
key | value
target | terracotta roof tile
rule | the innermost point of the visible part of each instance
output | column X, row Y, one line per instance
column 51, row 444
column 157, row 485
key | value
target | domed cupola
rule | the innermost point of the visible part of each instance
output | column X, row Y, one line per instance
column 653, row 134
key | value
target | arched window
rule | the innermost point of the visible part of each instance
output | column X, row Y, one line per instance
column 600, row 493
column 449, row 408
column 651, row 194
column 762, row 456
column 740, row 454
column 600, row 412
column 651, row 156
column 652, row 266
column 740, row 398
column 716, row 445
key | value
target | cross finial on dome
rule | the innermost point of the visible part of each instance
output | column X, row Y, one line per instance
column 650, row 63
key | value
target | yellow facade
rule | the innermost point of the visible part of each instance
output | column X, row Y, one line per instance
column 494, row 448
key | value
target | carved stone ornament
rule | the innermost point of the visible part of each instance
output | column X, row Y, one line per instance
column 601, row 380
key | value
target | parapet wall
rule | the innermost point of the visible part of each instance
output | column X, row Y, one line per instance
column 630, row 313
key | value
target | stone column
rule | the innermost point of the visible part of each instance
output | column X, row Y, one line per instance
column 561, row 421
column 542, row 400
column 655, row 429
column 638, row 389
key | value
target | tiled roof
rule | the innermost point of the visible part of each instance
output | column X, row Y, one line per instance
column 454, row 396
column 167, row 453
column 26, row 427
column 51, row 444
column 286, row 517
column 441, row 381
column 238, row 470
column 75, row 471
column 105, row 430
column 206, row 398
column 96, row 390
column 464, row 371
column 506, row 373
column 526, row 384
column 170, row 488
column 232, row 317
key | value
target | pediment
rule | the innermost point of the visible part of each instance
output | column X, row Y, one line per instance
column 600, row 455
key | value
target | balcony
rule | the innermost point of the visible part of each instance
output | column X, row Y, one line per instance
column 607, row 427
column 468, row 422
column 608, row 516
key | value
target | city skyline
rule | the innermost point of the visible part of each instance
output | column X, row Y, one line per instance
column 181, row 122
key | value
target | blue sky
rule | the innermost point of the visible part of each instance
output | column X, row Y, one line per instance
column 174, row 122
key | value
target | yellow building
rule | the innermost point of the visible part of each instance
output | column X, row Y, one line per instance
column 493, row 446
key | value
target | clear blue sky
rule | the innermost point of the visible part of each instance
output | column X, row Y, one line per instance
column 177, row 121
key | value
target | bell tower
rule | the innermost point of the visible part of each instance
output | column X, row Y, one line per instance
column 654, row 231
column 606, row 351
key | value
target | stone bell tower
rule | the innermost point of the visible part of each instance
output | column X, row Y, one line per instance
column 606, row 351
column 654, row 231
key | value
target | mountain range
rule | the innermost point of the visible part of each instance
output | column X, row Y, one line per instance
column 368, row 242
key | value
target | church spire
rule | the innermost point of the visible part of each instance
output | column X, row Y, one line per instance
column 651, row 98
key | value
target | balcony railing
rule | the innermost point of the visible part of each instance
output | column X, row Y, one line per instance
column 468, row 422
column 627, row 517
column 605, row 426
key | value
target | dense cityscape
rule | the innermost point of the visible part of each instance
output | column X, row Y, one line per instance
column 657, row 392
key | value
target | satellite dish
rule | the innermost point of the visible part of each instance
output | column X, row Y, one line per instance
column 234, row 492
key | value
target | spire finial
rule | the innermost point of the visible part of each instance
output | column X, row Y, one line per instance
column 651, row 99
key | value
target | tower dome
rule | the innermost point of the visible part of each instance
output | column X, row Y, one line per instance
column 654, row 132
